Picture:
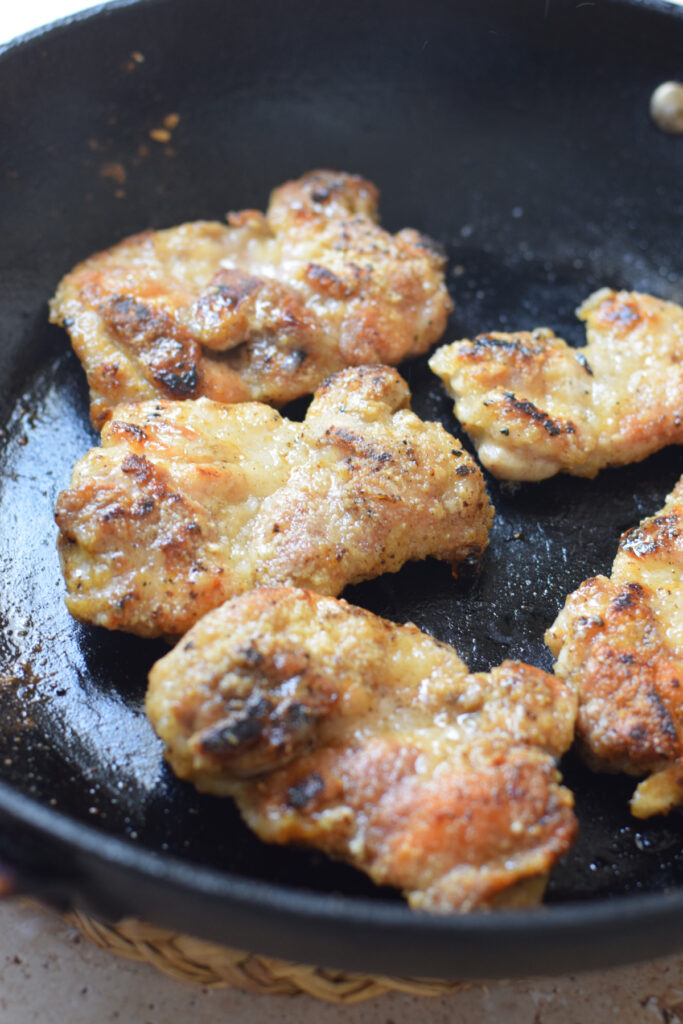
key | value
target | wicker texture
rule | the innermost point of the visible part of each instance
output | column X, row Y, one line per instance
column 214, row 966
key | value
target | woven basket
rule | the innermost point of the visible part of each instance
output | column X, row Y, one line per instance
column 214, row 966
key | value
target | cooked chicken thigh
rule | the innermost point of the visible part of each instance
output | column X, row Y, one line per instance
column 336, row 729
column 619, row 644
column 188, row 503
column 264, row 308
column 534, row 406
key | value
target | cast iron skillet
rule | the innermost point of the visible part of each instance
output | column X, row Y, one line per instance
column 517, row 133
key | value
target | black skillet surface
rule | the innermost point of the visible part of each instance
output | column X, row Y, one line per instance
column 517, row 133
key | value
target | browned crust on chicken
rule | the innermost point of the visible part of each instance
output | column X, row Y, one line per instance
column 619, row 643
column 534, row 406
column 336, row 729
column 188, row 503
column 264, row 308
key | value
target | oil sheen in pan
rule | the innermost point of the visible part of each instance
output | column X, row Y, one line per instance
column 73, row 733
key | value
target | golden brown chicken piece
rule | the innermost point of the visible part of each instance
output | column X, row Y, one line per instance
column 534, row 406
column 619, row 644
column 336, row 729
column 264, row 308
column 188, row 503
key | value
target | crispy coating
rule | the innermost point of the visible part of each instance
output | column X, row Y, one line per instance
column 619, row 644
column 336, row 729
column 534, row 406
column 262, row 309
column 188, row 503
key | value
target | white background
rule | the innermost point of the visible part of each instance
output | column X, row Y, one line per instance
column 18, row 16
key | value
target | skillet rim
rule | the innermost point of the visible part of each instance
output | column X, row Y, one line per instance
column 663, row 7
column 573, row 933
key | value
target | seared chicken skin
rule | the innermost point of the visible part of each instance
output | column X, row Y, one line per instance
column 619, row 644
column 336, row 729
column 262, row 309
column 534, row 406
column 188, row 503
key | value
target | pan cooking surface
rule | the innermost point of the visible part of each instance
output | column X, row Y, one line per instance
column 74, row 732
column 515, row 133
